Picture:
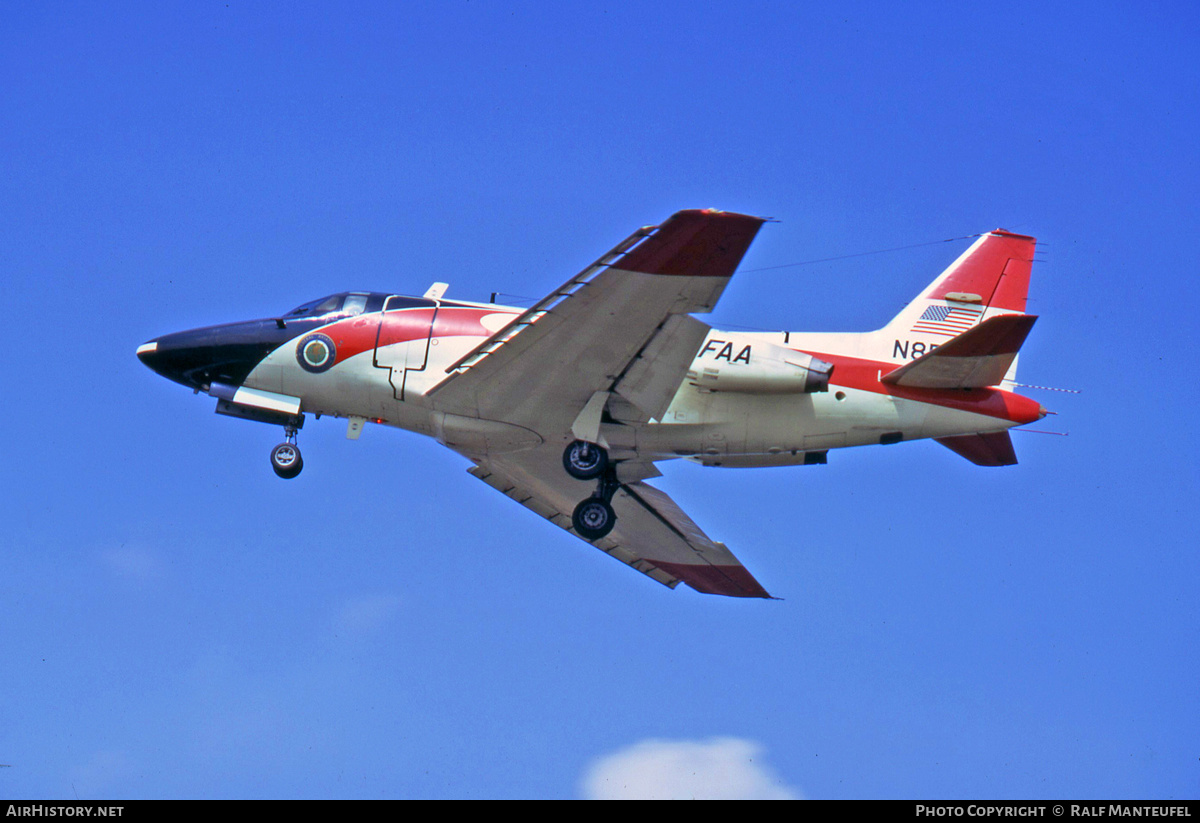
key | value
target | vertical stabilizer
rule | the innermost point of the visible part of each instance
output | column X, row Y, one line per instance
column 989, row 279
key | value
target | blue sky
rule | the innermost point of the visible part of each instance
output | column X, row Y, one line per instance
column 177, row 622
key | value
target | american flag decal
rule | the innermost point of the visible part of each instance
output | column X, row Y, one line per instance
column 946, row 321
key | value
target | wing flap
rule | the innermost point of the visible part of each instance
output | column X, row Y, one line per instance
column 977, row 358
column 654, row 376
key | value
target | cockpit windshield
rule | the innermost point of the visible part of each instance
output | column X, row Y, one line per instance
column 315, row 308
column 344, row 303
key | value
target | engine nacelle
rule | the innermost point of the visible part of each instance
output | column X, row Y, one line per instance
column 737, row 363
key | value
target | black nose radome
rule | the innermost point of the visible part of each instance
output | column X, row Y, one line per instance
column 215, row 354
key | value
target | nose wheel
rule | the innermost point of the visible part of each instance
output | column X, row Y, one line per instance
column 285, row 458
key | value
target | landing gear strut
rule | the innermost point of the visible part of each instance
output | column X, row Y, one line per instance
column 285, row 458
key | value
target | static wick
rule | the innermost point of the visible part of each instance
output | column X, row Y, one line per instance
column 1048, row 388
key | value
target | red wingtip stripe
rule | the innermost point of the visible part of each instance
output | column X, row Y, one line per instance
column 731, row 581
column 695, row 243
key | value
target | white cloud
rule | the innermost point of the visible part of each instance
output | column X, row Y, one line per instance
column 723, row 768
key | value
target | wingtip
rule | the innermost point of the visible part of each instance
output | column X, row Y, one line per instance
column 695, row 243
column 730, row 581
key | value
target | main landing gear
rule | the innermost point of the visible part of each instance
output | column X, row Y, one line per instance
column 594, row 517
column 584, row 460
column 285, row 458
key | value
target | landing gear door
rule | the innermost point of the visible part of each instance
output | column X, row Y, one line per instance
column 402, row 341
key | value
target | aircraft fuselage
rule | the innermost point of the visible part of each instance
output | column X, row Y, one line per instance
column 379, row 365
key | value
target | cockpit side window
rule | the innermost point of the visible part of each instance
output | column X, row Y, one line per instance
column 355, row 304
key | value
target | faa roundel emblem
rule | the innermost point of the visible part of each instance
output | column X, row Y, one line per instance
column 316, row 353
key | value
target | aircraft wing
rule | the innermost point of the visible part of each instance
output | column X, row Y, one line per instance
column 619, row 326
column 652, row 534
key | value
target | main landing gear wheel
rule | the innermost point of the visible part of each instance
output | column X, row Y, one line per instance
column 593, row 518
column 286, row 460
column 584, row 460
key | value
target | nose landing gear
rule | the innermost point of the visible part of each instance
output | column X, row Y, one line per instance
column 285, row 458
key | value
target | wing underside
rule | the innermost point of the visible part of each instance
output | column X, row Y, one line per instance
column 652, row 534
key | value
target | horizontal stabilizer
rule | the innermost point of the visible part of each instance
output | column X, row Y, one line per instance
column 975, row 359
column 993, row 449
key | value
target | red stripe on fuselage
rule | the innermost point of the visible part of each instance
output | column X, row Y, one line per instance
column 856, row 373
column 463, row 322
column 355, row 335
